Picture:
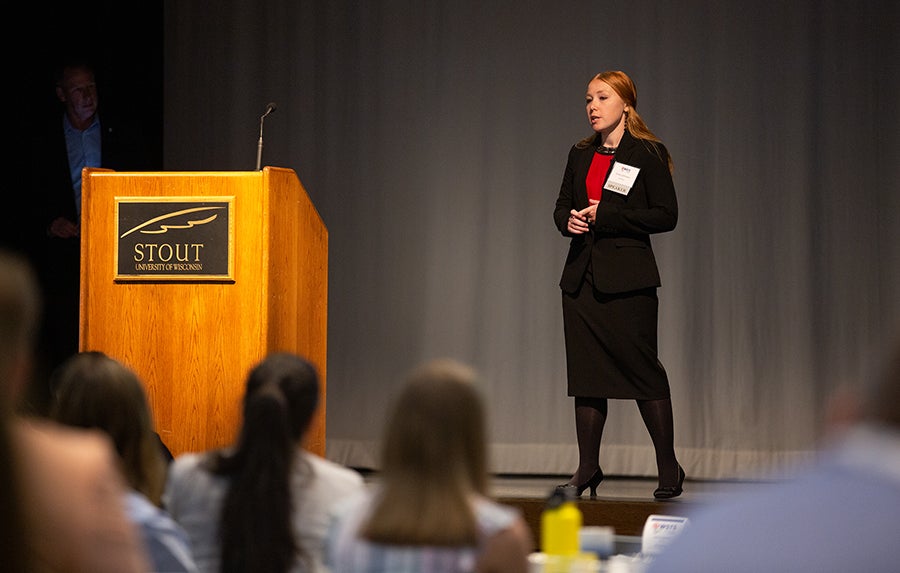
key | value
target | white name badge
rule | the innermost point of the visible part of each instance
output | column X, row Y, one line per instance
column 659, row 531
column 621, row 180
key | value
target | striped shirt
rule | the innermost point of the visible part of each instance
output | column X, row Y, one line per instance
column 346, row 552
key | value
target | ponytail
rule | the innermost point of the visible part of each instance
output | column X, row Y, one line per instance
column 256, row 523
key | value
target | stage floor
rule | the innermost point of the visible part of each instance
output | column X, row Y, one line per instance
column 623, row 503
column 618, row 488
column 613, row 488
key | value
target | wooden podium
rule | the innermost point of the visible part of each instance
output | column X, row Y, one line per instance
column 192, row 313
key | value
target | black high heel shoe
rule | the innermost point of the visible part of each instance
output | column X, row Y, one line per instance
column 670, row 491
column 592, row 483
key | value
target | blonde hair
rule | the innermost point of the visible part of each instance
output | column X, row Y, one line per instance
column 634, row 123
column 434, row 460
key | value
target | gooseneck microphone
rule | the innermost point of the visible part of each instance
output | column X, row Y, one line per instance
column 269, row 109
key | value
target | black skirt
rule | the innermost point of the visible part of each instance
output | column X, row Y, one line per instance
column 611, row 348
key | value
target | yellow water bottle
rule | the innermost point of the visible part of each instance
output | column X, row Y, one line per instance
column 560, row 523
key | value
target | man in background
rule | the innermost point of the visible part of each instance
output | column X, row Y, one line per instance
column 79, row 135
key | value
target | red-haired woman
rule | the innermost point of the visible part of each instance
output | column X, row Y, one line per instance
column 616, row 191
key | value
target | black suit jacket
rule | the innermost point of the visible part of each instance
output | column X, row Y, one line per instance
column 123, row 148
column 618, row 245
column 57, row 260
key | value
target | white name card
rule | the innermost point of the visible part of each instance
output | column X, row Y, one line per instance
column 659, row 530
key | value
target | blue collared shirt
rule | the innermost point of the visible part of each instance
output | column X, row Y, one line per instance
column 84, row 151
column 165, row 540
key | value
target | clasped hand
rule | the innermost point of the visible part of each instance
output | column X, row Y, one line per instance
column 63, row 228
column 580, row 221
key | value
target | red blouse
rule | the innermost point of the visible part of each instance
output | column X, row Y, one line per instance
column 596, row 176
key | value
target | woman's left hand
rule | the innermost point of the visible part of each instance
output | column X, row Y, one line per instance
column 590, row 214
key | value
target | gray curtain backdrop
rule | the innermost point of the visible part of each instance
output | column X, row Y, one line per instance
column 432, row 137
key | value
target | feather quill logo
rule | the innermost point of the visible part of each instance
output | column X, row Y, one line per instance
column 159, row 226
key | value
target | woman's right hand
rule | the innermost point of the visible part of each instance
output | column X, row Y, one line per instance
column 578, row 223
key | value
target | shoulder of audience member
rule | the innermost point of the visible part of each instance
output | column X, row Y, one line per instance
column 65, row 443
column 73, row 491
column 321, row 464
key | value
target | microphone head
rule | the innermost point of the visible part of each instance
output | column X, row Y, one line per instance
column 270, row 108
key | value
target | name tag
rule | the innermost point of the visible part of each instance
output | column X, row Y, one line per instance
column 621, row 180
column 659, row 531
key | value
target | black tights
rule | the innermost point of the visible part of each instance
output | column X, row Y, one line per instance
column 590, row 417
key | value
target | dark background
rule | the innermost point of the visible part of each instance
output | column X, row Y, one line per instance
column 124, row 41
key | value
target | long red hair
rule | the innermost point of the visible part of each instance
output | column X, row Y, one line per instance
column 634, row 123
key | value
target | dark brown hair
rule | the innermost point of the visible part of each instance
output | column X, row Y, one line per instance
column 93, row 390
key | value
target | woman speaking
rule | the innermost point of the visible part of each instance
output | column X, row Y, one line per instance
column 616, row 191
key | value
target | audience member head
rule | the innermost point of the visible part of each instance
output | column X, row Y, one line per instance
column 284, row 376
column 20, row 308
column 433, row 460
column 882, row 405
column 92, row 390
column 257, row 534
column 873, row 401
column 436, row 430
